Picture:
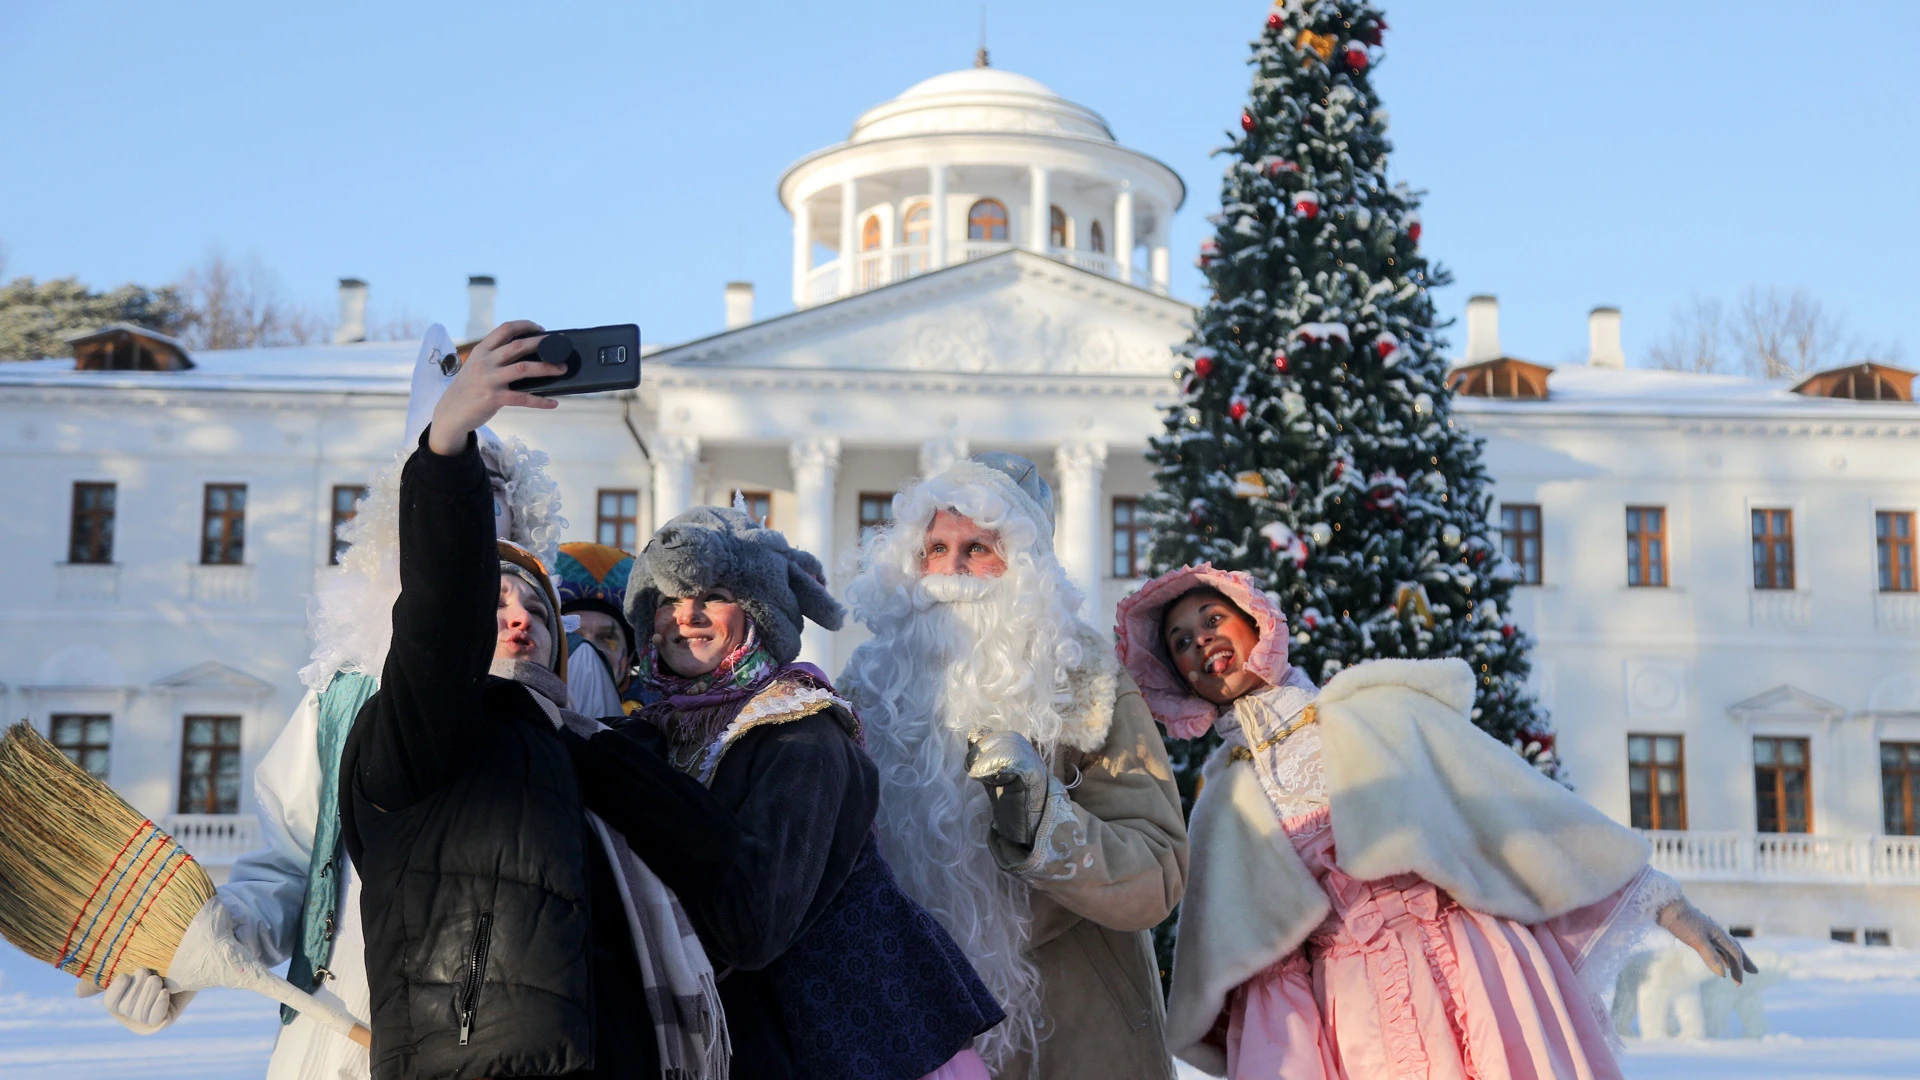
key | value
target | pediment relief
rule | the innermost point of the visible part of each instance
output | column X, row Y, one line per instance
column 213, row 677
column 1786, row 702
column 1025, row 317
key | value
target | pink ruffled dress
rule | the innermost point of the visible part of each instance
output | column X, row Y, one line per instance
column 1400, row 981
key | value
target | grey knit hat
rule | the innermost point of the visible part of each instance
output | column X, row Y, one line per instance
column 707, row 547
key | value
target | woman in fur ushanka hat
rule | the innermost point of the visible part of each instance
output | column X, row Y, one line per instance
column 1378, row 888
column 836, row 973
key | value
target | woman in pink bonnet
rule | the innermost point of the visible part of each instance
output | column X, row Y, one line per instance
column 1378, row 888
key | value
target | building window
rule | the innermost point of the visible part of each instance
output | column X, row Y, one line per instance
column 1780, row 785
column 1096, row 238
column 1773, row 549
column 1876, row 938
column 1129, row 539
column 346, row 503
column 1520, row 540
column 1893, row 534
column 1900, row 788
column 1647, row 546
column 85, row 738
column 987, row 220
column 90, row 537
column 759, row 505
column 870, row 234
column 223, row 525
column 618, row 521
column 1657, row 781
column 918, row 226
column 210, row 765
column 876, row 513
column 1842, row 934
column 1056, row 227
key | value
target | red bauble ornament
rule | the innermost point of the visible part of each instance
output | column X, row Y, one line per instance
column 1506, row 631
column 1413, row 232
column 1238, row 409
column 1203, row 366
column 1278, row 167
column 1246, row 121
column 1356, row 56
column 1280, row 362
column 1308, row 210
column 1383, row 347
column 1273, row 21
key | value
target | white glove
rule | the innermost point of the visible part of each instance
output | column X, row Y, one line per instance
column 1016, row 777
column 1723, row 954
column 142, row 1001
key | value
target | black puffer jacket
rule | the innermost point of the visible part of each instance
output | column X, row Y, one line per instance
column 496, row 946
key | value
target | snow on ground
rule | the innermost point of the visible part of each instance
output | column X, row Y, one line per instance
column 1846, row 1011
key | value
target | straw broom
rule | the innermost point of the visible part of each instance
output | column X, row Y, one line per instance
column 92, row 887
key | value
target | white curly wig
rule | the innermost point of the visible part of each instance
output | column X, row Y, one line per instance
column 350, row 616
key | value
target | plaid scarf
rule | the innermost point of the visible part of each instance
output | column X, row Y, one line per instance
column 681, row 991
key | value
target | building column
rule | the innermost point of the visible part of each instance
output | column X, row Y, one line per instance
column 674, row 458
column 1042, row 202
column 938, row 455
column 816, row 465
column 937, row 235
column 802, row 249
column 1123, row 234
column 849, row 234
column 1159, row 260
column 1077, row 533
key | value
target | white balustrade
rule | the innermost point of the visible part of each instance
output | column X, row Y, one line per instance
column 885, row 266
column 1786, row 857
column 214, row 839
column 1086, row 260
column 980, row 249
column 823, row 282
column 1785, row 609
column 87, row 581
column 220, row 583
column 1897, row 613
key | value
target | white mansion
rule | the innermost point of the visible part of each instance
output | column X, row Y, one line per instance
column 1719, row 571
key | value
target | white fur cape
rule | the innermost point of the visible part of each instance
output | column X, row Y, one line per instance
column 1413, row 787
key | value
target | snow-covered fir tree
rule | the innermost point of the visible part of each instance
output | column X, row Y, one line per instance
column 1314, row 443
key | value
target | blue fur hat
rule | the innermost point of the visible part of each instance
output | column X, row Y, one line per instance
column 779, row 585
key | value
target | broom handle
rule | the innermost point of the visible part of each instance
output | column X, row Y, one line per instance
column 249, row 974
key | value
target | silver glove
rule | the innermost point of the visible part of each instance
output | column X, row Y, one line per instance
column 1723, row 955
column 1016, row 779
column 141, row 1000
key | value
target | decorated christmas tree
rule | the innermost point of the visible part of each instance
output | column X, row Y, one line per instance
column 1314, row 444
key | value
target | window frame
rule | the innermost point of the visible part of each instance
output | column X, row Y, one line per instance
column 1531, row 572
column 1779, row 793
column 219, row 752
column 764, row 498
column 1909, row 771
column 1059, row 229
column 95, row 517
column 1647, row 549
column 867, row 525
column 924, row 221
column 978, row 220
column 1138, row 538
column 624, row 525
column 86, row 743
column 1654, row 817
column 336, row 547
column 1096, row 237
column 1894, row 555
column 1766, row 549
column 872, row 234
column 231, row 545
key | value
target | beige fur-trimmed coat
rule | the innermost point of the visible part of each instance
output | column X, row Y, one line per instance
column 1109, row 863
column 1414, row 787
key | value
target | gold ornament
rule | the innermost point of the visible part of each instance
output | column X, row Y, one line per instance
column 1321, row 44
column 1412, row 600
column 1250, row 485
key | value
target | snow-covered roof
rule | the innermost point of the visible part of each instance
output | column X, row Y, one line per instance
column 370, row 367
column 1582, row 388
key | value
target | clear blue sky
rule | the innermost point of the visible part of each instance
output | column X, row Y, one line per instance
column 618, row 162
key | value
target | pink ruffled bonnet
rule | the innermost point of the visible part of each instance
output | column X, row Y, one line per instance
column 1136, row 634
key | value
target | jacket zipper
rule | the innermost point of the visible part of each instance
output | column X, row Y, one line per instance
column 476, row 969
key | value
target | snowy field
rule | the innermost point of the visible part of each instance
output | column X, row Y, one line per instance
column 1844, row 1011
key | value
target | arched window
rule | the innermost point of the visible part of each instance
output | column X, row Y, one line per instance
column 1057, row 227
column 1096, row 238
column 987, row 220
column 870, row 234
column 919, row 224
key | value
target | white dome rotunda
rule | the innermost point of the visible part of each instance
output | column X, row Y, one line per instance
column 968, row 164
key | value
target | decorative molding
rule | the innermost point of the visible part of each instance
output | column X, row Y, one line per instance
column 938, row 455
column 676, row 450
column 1080, row 461
column 816, row 458
column 1785, row 703
column 212, row 678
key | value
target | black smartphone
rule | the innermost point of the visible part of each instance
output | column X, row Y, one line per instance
column 597, row 358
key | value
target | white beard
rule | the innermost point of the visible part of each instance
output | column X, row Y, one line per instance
column 967, row 654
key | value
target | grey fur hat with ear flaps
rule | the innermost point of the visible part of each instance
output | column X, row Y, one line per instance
column 710, row 547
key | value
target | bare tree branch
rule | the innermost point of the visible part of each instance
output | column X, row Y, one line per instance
column 233, row 306
column 1696, row 340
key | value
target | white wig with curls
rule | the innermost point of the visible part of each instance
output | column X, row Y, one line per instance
column 951, row 656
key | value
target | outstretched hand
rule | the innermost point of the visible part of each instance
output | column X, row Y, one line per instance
column 1723, row 954
column 482, row 388
column 1015, row 776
